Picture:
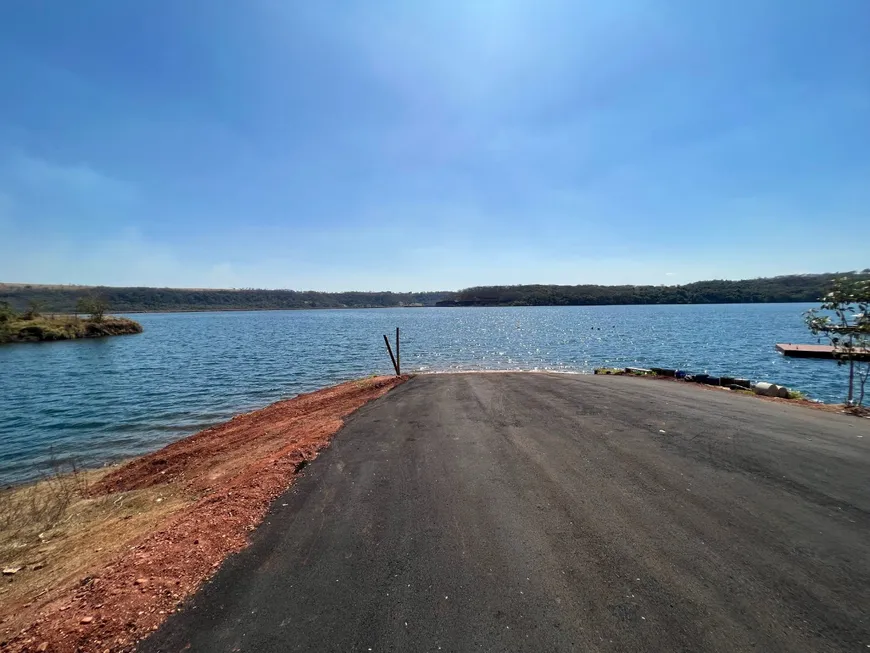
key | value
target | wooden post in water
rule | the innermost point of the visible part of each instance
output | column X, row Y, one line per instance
column 398, row 357
column 390, row 350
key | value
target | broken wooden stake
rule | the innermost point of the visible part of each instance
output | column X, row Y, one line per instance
column 392, row 358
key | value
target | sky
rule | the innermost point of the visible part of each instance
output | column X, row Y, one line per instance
column 430, row 145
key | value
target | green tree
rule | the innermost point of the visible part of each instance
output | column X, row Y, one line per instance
column 7, row 316
column 34, row 308
column 6, row 313
column 96, row 307
column 844, row 319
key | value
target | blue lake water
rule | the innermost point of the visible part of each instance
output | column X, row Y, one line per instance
column 101, row 400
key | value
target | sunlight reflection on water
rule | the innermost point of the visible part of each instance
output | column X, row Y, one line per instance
column 100, row 400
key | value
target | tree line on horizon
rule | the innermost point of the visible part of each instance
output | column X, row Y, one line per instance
column 65, row 299
column 782, row 289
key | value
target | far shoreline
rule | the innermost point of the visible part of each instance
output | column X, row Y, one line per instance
column 793, row 288
column 381, row 308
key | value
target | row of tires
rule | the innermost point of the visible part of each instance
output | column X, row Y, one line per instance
column 761, row 388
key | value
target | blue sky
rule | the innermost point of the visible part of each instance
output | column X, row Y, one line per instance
column 431, row 145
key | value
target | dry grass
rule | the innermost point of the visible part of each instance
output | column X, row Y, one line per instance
column 63, row 327
column 858, row 411
column 52, row 532
column 32, row 508
column 82, row 541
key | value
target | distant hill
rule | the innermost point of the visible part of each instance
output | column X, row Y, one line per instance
column 791, row 288
column 62, row 299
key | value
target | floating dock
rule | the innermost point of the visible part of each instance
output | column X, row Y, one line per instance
column 819, row 351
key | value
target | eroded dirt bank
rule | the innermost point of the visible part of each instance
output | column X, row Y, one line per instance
column 227, row 475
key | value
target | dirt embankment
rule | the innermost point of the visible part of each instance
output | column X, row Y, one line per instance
column 219, row 484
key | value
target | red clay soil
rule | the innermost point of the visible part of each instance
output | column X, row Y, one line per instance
column 237, row 469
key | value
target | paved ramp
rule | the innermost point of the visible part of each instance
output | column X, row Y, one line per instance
column 533, row 512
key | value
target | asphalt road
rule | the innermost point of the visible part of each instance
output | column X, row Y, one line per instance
column 533, row 512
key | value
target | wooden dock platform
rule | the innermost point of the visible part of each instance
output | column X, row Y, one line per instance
column 817, row 351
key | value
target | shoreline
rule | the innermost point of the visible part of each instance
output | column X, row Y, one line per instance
column 748, row 394
column 163, row 523
column 98, row 464
column 53, row 329
column 162, row 311
column 798, row 401
column 367, row 308
column 105, row 455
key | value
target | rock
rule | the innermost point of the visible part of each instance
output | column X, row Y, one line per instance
column 42, row 648
column 87, row 620
column 11, row 571
column 141, row 581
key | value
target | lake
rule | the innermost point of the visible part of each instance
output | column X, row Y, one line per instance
column 96, row 401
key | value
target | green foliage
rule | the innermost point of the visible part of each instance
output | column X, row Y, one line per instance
column 64, row 299
column 33, row 310
column 609, row 370
column 844, row 319
column 6, row 313
column 41, row 329
column 793, row 288
column 7, row 317
column 845, row 311
column 96, row 307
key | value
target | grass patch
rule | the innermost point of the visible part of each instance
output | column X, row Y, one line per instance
column 796, row 394
column 52, row 532
column 43, row 328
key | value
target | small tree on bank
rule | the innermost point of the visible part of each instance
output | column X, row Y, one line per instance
column 33, row 311
column 7, row 314
column 844, row 319
column 95, row 307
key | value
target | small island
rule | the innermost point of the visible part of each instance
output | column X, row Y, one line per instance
column 33, row 326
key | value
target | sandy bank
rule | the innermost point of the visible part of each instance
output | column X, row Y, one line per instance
column 136, row 540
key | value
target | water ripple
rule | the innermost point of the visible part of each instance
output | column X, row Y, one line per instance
column 101, row 400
